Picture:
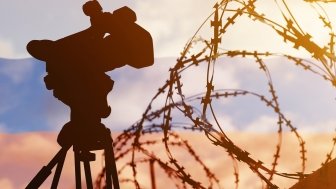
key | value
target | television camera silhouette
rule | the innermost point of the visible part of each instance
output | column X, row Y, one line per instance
column 76, row 65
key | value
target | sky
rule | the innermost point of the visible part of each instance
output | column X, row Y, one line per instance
column 27, row 108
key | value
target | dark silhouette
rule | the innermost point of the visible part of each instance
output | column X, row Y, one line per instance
column 76, row 67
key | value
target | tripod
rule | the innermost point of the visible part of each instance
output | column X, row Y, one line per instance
column 82, row 154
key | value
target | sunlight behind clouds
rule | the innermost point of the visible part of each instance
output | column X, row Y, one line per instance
column 6, row 49
column 172, row 22
column 6, row 183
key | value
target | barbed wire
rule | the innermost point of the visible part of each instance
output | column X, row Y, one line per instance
column 134, row 145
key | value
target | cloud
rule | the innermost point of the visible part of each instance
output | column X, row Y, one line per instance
column 133, row 90
column 263, row 124
column 319, row 126
column 6, row 49
column 18, row 71
column 56, row 113
column 21, row 155
column 30, row 151
column 15, row 76
column 225, row 122
column 194, row 79
column 5, row 183
column 172, row 23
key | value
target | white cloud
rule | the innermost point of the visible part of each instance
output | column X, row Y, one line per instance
column 264, row 124
column 133, row 90
column 172, row 22
column 17, row 71
column 6, row 49
column 225, row 122
column 6, row 183
column 57, row 115
column 318, row 126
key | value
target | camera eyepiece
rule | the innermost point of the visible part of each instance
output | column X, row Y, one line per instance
column 92, row 8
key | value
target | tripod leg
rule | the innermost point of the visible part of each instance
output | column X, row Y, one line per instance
column 58, row 171
column 88, row 175
column 43, row 174
column 77, row 170
column 108, row 170
column 111, row 168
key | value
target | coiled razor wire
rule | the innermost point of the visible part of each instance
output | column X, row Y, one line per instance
column 133, row 147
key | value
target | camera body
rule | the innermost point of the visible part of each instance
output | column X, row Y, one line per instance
column 76, row 64
column 112, row 41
